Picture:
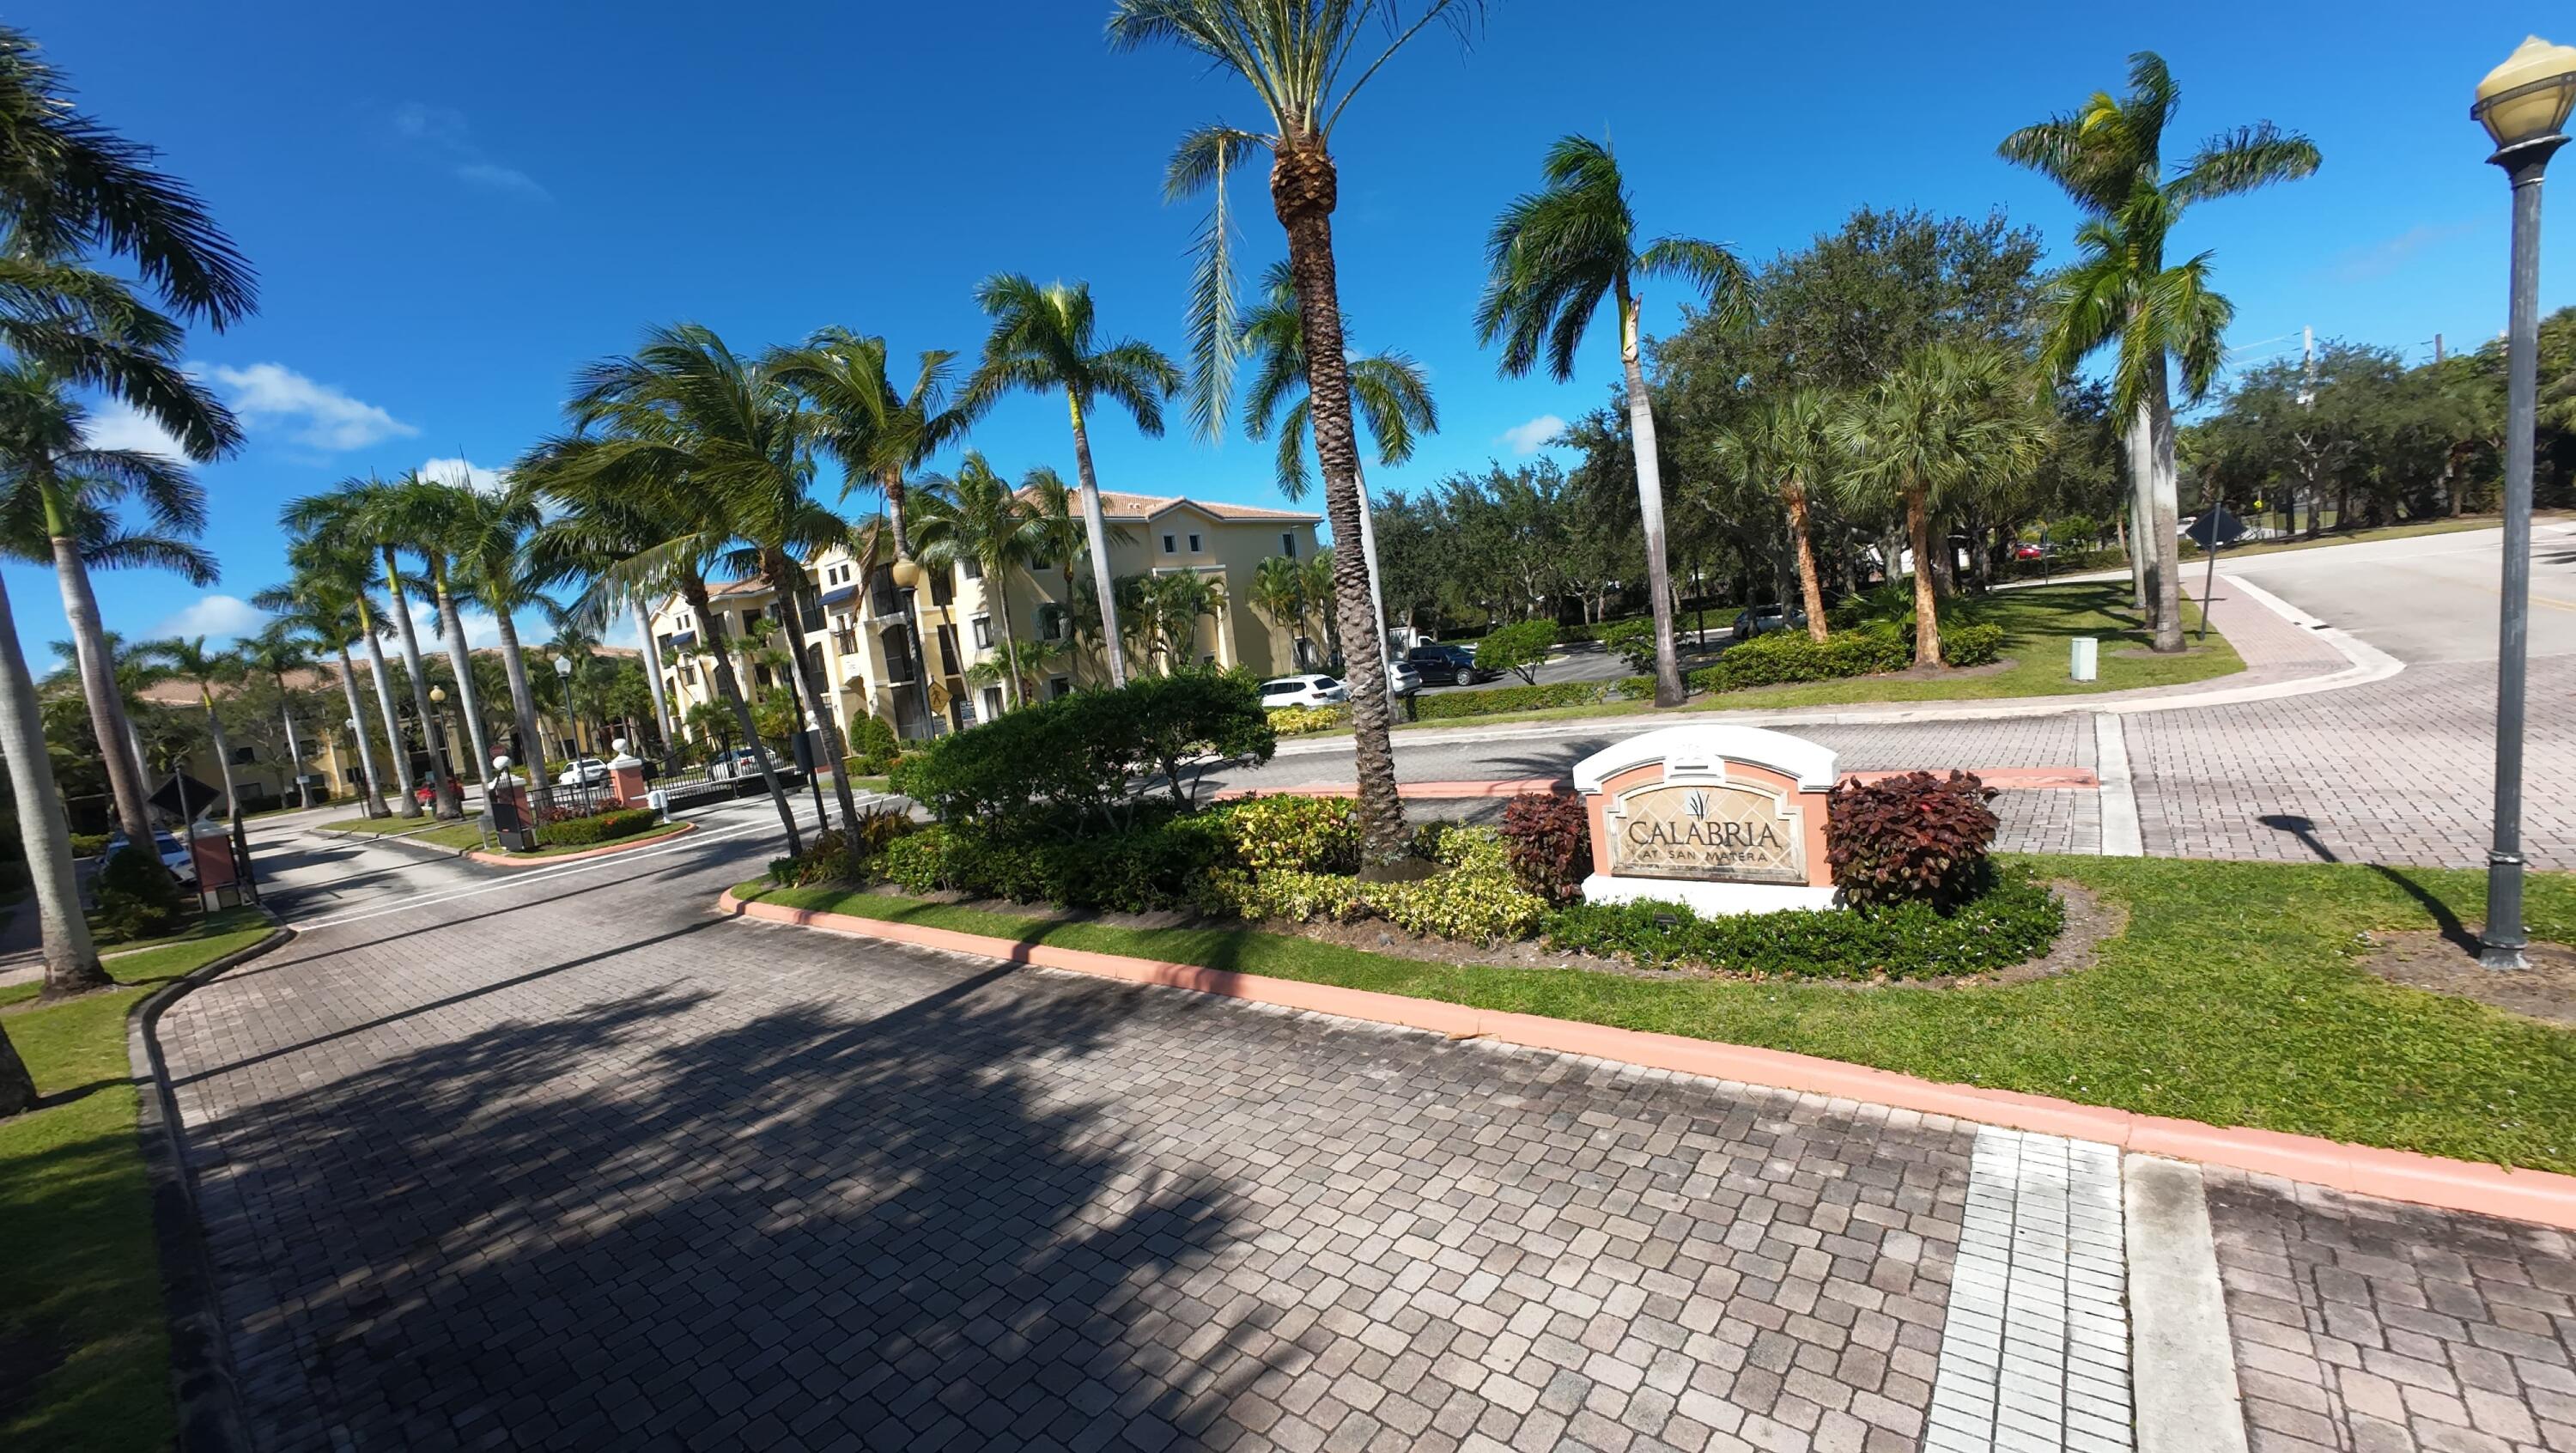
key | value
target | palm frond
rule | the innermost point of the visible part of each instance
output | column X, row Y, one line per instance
column 2244, row 160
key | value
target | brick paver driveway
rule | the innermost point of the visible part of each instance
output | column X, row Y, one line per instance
column 573, row 1163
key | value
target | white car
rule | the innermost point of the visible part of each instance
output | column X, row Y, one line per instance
column 1403, row 680
column 1308, row 690
column 584, row 772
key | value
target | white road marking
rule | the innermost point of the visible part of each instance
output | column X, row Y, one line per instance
column 2035, row 1349
column 433, row 897
column 2122, row 837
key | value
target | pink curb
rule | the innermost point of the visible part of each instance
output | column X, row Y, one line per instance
column 2397, row 1175
column 2008, row 778
column 503, row 860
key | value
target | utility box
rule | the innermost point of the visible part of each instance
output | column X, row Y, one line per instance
column 2084, row 658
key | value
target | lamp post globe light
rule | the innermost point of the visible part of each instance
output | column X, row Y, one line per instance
column 563, row 674
column 2523, row 105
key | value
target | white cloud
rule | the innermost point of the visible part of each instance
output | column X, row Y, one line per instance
column 219, row 616
column 116, row 424
column 441, row 132
column 272, row 393
column 466, row 472
column 1533, row 436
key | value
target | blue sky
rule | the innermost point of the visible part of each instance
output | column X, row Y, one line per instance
column 451, row 207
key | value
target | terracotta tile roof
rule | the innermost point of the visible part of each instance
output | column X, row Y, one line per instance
column 1145, row 506
column 184, row 693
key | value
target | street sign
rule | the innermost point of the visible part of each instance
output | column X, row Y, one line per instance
column 2226, row 527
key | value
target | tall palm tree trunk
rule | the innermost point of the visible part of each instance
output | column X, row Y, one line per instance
column 729, row 687
column 358, row 729
column 1303, row 191
column 223, row 751
column 294, row 751
column 1095, row 529
column 1811, row 590
column 2164, row 512
column 662, row 720
column 71, row 961
column 895, row 496
column 835, row 754
column 523, row 713
column 1650, row 504
column 432, row 734
column 98, row 688
column 1000, row 575
column 408, row 805
column 1927, row 606
column 451, row 623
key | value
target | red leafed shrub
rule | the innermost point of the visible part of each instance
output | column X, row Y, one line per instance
column 1915, row 837
column 1549, row 838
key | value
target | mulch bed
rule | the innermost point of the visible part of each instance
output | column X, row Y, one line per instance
column 2433, row 960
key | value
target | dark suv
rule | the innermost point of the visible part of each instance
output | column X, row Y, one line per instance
column 1446, row 665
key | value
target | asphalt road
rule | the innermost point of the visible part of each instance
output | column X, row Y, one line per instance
column 2427, row 599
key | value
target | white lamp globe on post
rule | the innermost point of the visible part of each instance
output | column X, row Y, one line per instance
column 2523, row 105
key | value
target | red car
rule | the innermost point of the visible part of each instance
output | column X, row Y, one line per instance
column 425, row 791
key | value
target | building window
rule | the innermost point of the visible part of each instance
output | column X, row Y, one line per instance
column 973, row 567
column 242, row 756
column 951, row 659
column 1059, row 686
column 1194, row 544
column 992, row 702
column 983, row 633
column 943, row 588
column 1288, row 543
column 1168, row 546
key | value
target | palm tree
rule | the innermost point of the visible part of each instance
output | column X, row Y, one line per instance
column 1059, row 532
column 878, row 433
column 1391, row 391
column 1296, row 55
column 979, row 517
column 2108, row 155
column 1043, row 341
column 329, row 611
column 436, row 515
column 749, row 446
column 557, row 558
column 1787, row 445
column 487, row 534
column 695, row 450
column 1168, row 608
column 44, row 836
column 370, row 514
column 135, row 674
column 62, row 500
column 72, row 519
column 189, row 660
column 1279, row 592
column 281, row 647
column 1948, row 420
column 1553, row 256
column 336, row 571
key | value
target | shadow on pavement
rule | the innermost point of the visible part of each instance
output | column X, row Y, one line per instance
column 653, row 1221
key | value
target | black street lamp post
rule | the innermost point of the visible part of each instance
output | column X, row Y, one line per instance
column 2523, row 104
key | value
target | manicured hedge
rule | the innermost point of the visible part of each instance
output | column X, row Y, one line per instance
column 2015, row 919
column 1298, row 721
column 1435, row 707
column 599, row 827
column 1786, row 656
column 89, row 844
column 1972, row 645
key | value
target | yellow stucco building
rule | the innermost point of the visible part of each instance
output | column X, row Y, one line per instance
column 854, row 638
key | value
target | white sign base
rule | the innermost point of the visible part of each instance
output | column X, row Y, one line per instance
column 1708, row 900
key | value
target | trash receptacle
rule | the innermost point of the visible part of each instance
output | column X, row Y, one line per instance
column 2084, row 657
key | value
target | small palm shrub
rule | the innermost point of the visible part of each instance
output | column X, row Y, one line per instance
column 1298, row 721
column 1309, row 834
column 1915, row 838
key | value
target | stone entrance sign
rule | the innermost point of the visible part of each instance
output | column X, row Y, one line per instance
column 1726, row 819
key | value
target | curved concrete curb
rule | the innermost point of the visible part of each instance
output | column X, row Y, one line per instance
column 201, row 1363
column 500, row 860
column 2397, row 1175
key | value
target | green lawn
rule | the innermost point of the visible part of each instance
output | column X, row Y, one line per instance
column 2038, row 622
column 422, row 829
column 2230, row 999
column 80, row 1287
